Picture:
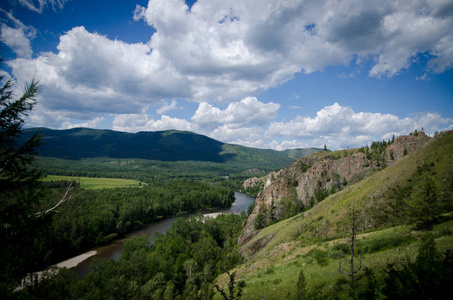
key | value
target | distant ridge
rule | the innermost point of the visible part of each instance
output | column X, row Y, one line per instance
column 170, row 145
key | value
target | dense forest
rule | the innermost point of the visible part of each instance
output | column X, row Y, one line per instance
column 145, row 170
column 97, row 217
column 182, row 264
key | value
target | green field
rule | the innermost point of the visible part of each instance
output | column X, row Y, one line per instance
column 95, row 183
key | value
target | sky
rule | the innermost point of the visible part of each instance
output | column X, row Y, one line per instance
column 274, row 74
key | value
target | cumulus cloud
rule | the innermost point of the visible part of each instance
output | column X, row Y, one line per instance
column 17, row 38
column 340, row 127
column 91, row 73
column 336, row 126
column 135, row 123
column 221, row 51
column 238, row 114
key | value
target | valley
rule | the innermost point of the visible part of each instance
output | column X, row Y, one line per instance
column 294, row 240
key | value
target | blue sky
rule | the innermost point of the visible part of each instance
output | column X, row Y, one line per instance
column 265, row 74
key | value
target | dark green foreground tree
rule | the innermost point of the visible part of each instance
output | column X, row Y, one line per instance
column 18, row 187
column 430, row 276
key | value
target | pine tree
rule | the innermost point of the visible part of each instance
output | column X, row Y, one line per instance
column 423, row 205
column 18, row 186
column 301, row 286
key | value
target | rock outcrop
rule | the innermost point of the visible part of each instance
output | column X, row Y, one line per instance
column 405, row 144
column 310, row 179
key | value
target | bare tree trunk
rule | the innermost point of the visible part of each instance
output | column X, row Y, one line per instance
column 351, row 261
column 67, row 196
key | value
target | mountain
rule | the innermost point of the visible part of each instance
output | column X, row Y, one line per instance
column 310, row 179
column 317, row 241
column 171, row 145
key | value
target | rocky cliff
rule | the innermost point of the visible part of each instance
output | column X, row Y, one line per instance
column 311, row 179
column 405, row 144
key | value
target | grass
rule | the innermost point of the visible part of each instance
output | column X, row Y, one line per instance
column 95, row 183
column 273, row 273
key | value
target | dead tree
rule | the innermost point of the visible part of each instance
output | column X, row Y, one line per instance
column 66, row 197
column 352, row 271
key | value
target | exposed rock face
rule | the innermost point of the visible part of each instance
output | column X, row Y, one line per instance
column 251, row 182
column 405, row 144
column 255, row 171
column 309, row 180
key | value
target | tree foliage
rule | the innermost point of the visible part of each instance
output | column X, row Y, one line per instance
column 428, row 277
column 424, row 205
column 181, row 264
column 19, row 190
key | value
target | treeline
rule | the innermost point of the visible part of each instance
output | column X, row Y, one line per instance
column 375, row 151
column 145, row 170
column 95, row 217
column 181, row 264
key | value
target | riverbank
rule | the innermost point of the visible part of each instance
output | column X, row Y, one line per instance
column 81, row 263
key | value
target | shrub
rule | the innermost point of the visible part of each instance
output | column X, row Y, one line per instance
column 319, row 255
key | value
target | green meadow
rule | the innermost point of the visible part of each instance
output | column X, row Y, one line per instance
column 95, row 183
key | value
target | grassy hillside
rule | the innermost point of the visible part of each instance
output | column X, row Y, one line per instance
column 381, row 202
column 273, row 272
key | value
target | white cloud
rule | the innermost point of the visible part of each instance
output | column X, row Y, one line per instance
column 167, row 123
column 91, row 73
column 238, row 114
column 90, row 124
column 141, row 122
column 167, row 107
column 17, row 38
column 41, row 5
column 341, row 127
column 336, row 126
column 221, row 51
column 242, row 135
column 130, row 122
column 139, row 12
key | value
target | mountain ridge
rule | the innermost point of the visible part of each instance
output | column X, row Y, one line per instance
column 168, row 145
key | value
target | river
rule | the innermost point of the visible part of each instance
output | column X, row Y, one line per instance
column 81, row 263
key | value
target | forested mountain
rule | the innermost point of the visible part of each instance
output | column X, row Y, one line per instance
column 170, row 145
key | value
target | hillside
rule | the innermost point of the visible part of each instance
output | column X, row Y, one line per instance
column 171, row 145
column 310, row 179
column 383, row 204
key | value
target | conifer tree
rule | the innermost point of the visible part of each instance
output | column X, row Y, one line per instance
column 18, row 185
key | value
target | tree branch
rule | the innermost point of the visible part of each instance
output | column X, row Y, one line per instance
column 65, row 198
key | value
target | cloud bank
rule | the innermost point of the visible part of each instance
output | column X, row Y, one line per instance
column 218, row 52
column 336, row 126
